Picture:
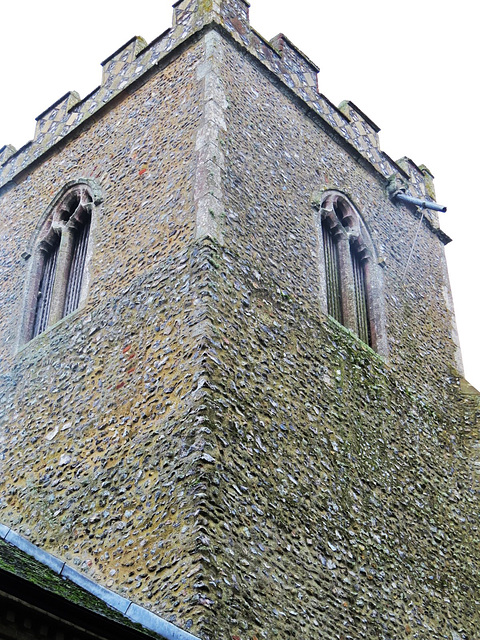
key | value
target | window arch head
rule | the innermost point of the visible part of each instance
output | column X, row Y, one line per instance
column 351, row 290
column 59, row 251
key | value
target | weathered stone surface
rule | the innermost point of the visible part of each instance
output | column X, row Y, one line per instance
column 199, row 436
column 345, row 498
column 98, row 419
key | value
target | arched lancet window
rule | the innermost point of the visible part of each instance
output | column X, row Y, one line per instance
column 352, row 291
column 59, row 260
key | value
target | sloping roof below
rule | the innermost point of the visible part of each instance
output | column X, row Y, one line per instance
column 36, row 578
column 24, row 577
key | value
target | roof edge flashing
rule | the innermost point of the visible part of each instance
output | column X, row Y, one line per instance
column 134, row 612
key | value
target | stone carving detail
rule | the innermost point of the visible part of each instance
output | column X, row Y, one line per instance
column 395, row 185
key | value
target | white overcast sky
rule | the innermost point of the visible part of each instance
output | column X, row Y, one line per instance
column 411, row 66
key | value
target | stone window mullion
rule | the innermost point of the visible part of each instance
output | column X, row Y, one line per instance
column 65, row 251
column 347, row 283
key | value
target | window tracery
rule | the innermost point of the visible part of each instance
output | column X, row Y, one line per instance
column 351, row 291
column 59, row 264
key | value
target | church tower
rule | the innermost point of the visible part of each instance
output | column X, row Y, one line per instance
column 232, row 394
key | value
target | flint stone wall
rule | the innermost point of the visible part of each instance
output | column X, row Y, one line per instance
column 200, row 436
column 280, row 162
column 344, row 501
column 100, row 440
column 344, row 493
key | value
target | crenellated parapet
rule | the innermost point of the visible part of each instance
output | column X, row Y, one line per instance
column 119, row 70
column 280, row 56
column 420, row 178
column 363, row 131
column 414, row 173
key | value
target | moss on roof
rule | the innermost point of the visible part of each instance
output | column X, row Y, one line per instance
column 18, row 563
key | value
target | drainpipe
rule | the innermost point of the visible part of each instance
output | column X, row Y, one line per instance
column 423, row 204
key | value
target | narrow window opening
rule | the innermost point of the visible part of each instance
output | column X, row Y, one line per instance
column 332, row 269
column 351, row 288
column 361, row 299
column 45, row 290
column 77, row 268
column 59, row 270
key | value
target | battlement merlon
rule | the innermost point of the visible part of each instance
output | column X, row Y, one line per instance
column 122, row 57
column 49, row 119
column 420, row 179
column 357, row 118
column 192, row 15
column 280, row 56
column 428, row 179
column 302, row 70
column 5, row 152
